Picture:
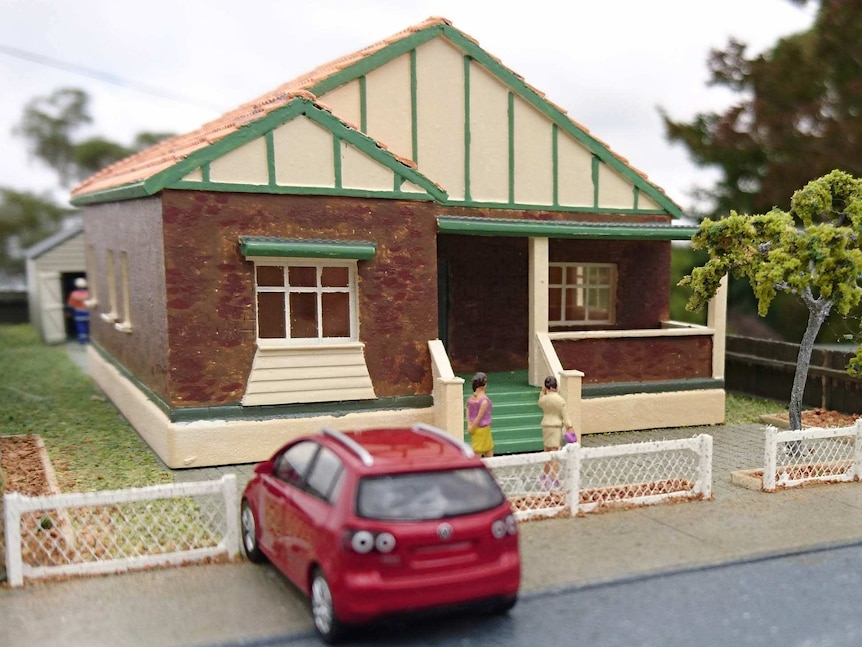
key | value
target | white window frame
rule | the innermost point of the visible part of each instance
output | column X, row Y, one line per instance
column 319, row 264
column 124, row 324
column 110, row 271
column 586, row 287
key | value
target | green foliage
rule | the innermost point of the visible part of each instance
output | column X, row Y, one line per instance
column 796, row 115
column 26, row 218
column 91, row 446
column 819, row 262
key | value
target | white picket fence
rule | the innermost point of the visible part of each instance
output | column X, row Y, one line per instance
column 114, row 531
column 793, row 458
column 580, row 479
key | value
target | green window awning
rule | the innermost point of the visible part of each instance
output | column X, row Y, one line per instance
column 470, row 226
column 296, row 248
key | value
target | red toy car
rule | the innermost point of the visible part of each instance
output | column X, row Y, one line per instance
column 380, row 522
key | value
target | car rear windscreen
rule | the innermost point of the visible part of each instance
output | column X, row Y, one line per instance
column 422, row 496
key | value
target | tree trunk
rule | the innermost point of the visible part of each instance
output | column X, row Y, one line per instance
column 818, row 310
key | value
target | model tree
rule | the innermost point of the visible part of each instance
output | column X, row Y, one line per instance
column 814, row 252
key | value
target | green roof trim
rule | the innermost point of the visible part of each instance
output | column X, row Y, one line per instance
column 172, row 177
column 516, row 83
column 294, row 248
column 469, row 226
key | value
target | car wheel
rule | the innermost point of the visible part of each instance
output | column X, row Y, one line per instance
column 249, row 533
column 505, row 605
column 326, row 623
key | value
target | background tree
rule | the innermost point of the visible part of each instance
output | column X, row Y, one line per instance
column 798, row 115
column 50, row 126
column 820, row 262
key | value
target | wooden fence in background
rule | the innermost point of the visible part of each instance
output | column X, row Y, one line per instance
column 764, row 368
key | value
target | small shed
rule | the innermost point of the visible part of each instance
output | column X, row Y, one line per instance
column 52, row 267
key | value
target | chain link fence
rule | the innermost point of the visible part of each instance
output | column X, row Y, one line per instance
column 793, row 458
column 579, row 479
column 120, row 530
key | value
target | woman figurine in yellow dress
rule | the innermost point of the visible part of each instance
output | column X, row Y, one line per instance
column 479, row 418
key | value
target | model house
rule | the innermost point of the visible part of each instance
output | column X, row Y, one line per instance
column 341, row 251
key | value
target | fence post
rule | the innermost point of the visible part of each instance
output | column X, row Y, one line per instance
column 231, row 531
column 705, row 467
column 12, row 520
column 573, row 477
column 857, row 450
column 770, row 459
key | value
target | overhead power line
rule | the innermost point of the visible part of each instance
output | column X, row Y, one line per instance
column 106, row 77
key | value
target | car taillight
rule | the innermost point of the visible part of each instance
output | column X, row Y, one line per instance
column 364, row 541
column 503, row 527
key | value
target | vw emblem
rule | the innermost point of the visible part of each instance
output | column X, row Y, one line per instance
column 444, row 532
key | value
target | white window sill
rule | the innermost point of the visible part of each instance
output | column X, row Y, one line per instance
column 123, row 326
column 110, row 317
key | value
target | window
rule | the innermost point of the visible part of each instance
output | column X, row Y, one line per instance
column 306, row 300
column 326, row 476
column 125, row 322
column 111, row 316
column 581, row 293
column 292, row 465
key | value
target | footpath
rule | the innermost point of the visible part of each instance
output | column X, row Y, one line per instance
column 216, row 604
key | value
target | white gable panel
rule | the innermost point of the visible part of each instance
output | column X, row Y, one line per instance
column 243, row 165
column 345, row 103
column 534, row 156
column 575, row 172
column 358, row 171
column 489, row 137
column 645, row 202
column 440, row 115
column 389, row 115
column 303, row 154
column 195, row 176
column 615, row 192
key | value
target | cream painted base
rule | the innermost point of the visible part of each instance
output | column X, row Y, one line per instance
column 639, row 411
column 221, row 442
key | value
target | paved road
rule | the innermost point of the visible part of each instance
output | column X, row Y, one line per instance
column 810, row 599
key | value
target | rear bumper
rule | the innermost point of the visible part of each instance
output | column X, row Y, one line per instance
column 366, row 596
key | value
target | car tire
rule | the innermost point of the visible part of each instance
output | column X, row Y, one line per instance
column 326, row 623
column 503, row 606
column 249, row 533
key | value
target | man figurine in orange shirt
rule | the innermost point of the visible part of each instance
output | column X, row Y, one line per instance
column 77, row 304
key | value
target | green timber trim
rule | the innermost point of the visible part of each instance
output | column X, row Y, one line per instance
column 509, row 78
column 294, row 248
column 290, row 411
column 468, row 226
column 172, row 177
column 668, row 386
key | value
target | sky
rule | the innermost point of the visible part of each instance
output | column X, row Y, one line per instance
column 172, row 65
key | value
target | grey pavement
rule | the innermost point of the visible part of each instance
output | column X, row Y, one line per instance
column 218, row 603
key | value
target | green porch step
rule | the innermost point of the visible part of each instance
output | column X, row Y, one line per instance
column 516, row 416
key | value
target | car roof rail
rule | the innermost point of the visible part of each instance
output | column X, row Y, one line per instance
column 352, row 445
column 439, row 433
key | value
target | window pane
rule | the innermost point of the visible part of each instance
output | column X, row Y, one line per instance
column 555, row 274
column 574, row 275
column 555, row 304
column 335, row 277
column 292, row 465
column 336, row 314
column 270, row 276
column 302, row 277
column 324, row 476
column 270, row 315
column 574, row 305
column 303, row 314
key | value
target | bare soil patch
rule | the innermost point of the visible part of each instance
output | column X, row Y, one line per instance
column 21, row 466
column 823, row 418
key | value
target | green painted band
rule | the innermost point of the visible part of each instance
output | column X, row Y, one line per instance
column 561, row 229
column 283, row 247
